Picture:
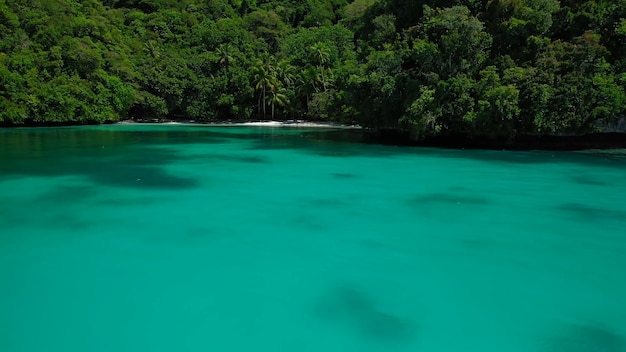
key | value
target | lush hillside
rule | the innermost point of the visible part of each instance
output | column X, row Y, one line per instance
column 496, row 68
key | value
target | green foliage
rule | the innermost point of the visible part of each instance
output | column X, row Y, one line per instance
column 461, row 41
column 496, row 68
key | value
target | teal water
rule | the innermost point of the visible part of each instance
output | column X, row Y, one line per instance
column 187, row 238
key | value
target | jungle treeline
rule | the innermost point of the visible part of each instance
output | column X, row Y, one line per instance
column 428, row 67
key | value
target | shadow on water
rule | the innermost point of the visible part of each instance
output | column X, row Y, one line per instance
column 323, row 142
column 247, row 159
column 128, row 201
column 143, row 152
column 105, row 156
column 53, row 208
column 587, row 338
column 193, row 237
column 584, row 213
column 308, row 222
column 137, row 176
column 349, row 306
column 475, row 244
column 343, row 176
column 359, row 143
column 121, row 156
column 66, row 194
column 446, row 198
column 307, row 216
column 316, row 203
column 614, row 154
column 58, row 218
column 589, row 181
column 65, row 220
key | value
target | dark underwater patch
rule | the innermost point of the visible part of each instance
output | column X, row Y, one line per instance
column 68, row 221
column 325, row 202
column 309, row 222
column 143, row 177
column 447, row 198
column 473, row 244
column 349, row 306
column 590, row 181
column 585, row 213
column 251, row 159
column 195, row 236
column 328, row 143
column 105, row 157
column 128, row 201
column 343, row 175
column 587, row 338
column 68, row 194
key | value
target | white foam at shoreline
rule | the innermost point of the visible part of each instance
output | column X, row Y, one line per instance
column 291, row 123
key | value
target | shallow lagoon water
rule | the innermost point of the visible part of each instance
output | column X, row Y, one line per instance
column 197, row 238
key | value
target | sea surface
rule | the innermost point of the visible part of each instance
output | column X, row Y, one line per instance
column 198, row 238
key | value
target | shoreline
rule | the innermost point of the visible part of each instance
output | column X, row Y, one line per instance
column 259, row 123
column 398, row 138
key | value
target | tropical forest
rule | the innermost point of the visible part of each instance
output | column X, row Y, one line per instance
column 312, row 175
column 427, row 67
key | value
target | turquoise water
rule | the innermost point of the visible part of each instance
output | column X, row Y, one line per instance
column 196, row 238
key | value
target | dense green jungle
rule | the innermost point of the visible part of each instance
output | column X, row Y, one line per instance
column 498, row 68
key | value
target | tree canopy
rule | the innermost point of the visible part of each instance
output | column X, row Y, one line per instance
column 446, row 67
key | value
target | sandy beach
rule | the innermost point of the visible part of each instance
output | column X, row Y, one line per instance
column 287, row 123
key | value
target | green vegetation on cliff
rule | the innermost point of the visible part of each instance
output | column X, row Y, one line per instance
column 494, row 68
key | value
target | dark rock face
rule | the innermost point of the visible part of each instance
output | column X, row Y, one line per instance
column 618, row 125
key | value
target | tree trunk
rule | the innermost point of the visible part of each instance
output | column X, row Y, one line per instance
column 264, row 101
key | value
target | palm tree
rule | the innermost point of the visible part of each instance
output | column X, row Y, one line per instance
column 278, row 96
column 307, row 83
column 225, row 54
column 264, row 80
column 321, row 53
column 260, row 83
column 285, row 72
column 289, row 79
column 310, row 81
column 152, row 48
